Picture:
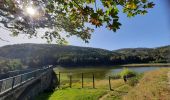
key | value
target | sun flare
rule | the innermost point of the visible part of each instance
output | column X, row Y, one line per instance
column 31, row 11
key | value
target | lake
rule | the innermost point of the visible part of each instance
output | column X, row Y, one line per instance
column 101, row 72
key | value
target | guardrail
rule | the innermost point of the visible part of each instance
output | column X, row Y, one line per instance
column 10, row 83
column 15, row 73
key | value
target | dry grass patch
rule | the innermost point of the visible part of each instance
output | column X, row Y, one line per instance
column 153, row 86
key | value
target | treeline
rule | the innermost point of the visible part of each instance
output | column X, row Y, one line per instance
column 9, row 65
column 146, row 55
column 38, row 55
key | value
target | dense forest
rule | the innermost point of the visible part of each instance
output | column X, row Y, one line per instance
column 38, row 55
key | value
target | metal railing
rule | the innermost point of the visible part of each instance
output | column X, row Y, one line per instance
column 15, row 73
column 8, row 84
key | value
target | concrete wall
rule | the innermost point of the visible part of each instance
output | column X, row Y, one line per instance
column 45, row 82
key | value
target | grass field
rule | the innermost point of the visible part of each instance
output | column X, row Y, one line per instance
column 88, row 93
column 73, row 94
column 152, row 85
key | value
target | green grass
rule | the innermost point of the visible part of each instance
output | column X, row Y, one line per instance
column 147, row 86
column 88, row 93
column 73, row 94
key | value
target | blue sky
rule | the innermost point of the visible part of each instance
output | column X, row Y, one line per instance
column 150, row 30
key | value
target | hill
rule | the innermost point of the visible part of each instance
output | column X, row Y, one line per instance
column 155, row 55
column 45, row 54
column 38, row 55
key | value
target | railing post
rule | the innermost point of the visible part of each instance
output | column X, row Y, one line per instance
column 82, row 79
column 93, row 81
column 1, row 86
column 21, row 79
column 13, row 81
column 35, row 73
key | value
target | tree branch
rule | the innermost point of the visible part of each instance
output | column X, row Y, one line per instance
column 77, row 4
column 3, row 40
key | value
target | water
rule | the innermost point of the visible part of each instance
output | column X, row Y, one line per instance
column 136, row 69
column 101, row 72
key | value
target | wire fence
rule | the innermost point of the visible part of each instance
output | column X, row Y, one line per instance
column 85, row 80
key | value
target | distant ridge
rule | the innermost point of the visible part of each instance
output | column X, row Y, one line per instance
column 37, row 55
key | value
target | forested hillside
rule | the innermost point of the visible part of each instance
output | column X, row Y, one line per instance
column 38, row 55
column 154, row 55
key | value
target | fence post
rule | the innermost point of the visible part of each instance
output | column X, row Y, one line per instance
column 110, row 84
column 82, row 79
column 93, row 82
column 70, row 80
column 59, row 79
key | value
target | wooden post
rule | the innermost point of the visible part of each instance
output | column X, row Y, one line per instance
column 82, row 79
column 93, row 82
column 110, row 84
column 59, row 80
column 70, row 80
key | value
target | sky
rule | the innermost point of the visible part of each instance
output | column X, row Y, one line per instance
column 150, row 30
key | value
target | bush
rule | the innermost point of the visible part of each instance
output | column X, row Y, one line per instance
column 128, row 73
column 134, row 80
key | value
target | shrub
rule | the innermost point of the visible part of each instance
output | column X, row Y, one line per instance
column 128, row 73
column 133, row 81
